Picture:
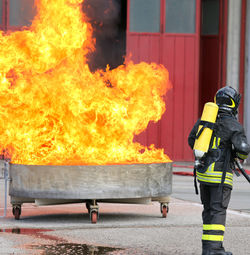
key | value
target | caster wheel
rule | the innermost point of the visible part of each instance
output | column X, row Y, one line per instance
column 94, row 217
column 16, row 212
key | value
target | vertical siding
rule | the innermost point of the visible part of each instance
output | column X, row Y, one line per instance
column 190, row 91
column 179, row 70
column 180, row 58
column 167, row 123
column 3, row 15
column 209, row 67
column 179, row 54
column 145, row 48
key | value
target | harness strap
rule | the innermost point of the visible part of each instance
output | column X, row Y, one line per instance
column 195, row 182
column 225, row 167
column 206, row 124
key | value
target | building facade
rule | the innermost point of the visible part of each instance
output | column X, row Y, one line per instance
column 204, row 44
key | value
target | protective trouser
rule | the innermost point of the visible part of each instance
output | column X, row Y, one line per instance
column 215, row 200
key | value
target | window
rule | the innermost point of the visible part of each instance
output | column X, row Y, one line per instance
column 210, row 17
column 180, row 16
column 145, row 16
column 21, row 12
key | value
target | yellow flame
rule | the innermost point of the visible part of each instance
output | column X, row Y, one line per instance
column 53, row 110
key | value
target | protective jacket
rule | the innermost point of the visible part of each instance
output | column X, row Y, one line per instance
column 228, row 141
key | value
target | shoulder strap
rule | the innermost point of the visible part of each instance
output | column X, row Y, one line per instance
column 206, row 124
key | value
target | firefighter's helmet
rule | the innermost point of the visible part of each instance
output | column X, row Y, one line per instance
column 228, row 99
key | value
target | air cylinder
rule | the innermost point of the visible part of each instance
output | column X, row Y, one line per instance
column 209, row 114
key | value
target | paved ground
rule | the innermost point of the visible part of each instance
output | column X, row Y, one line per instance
column 125, row 229
column 184, row 188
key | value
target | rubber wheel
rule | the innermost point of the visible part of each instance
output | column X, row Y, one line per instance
column 16, row 212
column 164, row 211
column 93, row 217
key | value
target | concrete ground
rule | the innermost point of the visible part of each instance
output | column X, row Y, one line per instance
column 125, row 228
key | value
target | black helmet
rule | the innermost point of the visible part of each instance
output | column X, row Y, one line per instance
column 228, row 99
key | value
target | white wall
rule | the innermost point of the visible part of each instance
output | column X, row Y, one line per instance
column 233, row 43
column 247, row 79
column 233, row 57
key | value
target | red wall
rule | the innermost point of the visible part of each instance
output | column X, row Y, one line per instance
column 179, row 53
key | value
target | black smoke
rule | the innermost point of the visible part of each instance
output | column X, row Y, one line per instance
column 108, row 19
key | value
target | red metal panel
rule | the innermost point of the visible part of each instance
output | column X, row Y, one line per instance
column 167, row 123
column 179, row 53
column 3, row 25
column 151, row 47
column 132, row 53
column 181, row 59
column 209, row 68
column 132, row 47
column 213, row 59
column 190, row 92
column 146, row 48
column 178, row 87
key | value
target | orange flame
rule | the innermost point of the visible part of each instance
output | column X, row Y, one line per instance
column 53, row 110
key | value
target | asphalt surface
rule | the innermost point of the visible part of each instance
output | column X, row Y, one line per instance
column 183, row 188
column 125, row 228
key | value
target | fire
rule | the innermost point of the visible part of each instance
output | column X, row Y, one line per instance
column 54, row 110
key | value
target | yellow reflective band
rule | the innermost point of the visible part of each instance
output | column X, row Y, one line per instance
column 213, row 238
column 215, row 174
column 211, row 168
column 214, row 180
column 214, row 145
column 216, row 142
column 214, row 227
column 228, row 182
column 233, row 104
column 242, row 156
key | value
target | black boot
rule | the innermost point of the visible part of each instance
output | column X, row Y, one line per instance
column 220, row 253
column 205, row 252
column 214, row 252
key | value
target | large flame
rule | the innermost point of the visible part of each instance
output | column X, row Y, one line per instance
column 53, row 110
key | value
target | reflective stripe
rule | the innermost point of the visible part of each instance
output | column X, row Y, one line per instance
column 233, row 104
column 214, row 180
column 216, row 174
column 211, row 168
column 212, row 238
column 242, row 156
column 216, row 143
column 212, row 176
column 214, row 227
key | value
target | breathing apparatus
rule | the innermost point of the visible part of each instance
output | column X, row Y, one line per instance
column 227, row 99
column 205, row 131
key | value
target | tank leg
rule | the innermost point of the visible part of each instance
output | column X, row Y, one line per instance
column 94, row 211
column 16, row 210
column 164, row 209
column 88, row 203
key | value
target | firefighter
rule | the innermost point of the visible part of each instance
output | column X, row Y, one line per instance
column 215, row 169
